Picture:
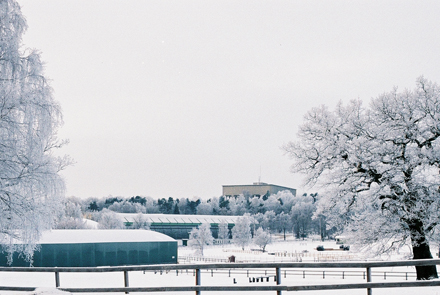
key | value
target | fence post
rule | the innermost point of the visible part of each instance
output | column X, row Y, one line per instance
column 57, row 279
column 278, row 275
column 198, row 280
column 126, row 284
column 369, row 291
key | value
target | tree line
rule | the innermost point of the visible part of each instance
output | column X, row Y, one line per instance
column 278, row 213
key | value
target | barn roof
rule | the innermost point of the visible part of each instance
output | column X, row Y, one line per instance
column 76, row 236
column 180, row 218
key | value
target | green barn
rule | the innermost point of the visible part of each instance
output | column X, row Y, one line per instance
column 178, row 226
column 90, row 248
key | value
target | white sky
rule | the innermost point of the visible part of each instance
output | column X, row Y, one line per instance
column 176, row 98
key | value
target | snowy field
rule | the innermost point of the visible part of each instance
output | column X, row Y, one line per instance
column 284, row 250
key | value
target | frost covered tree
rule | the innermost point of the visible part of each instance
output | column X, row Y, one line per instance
column 31, row 190
column 71, row 217
column 268, row 221
column 204, row 208
column 108, row 219
column 241, row 232
column 256, row 205
column 287, row 199
column 262, row 238
column 215, row 205
column 301, row 215
column 151, row 205
column 200, row 237
column 127, row 207
column 379, row 165
column 272, row 204
column 183, row 206
column 283, row 222
column 140, row 222
column 238, row 205
column 223, row 231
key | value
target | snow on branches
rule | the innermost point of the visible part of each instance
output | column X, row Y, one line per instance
column 379, row 164
column 241, row 232
column 31, row 191
column 200, row 237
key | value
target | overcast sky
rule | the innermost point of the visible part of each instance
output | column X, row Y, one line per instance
column 177, row 98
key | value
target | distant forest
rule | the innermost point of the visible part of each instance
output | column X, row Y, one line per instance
column 278, row 213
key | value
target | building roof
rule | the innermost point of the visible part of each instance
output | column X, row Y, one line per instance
column 257, row 188
column 77, row 236
column 180, row 218
column 258, row 184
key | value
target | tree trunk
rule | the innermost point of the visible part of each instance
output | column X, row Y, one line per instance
column 322, row 229
column 421, row 250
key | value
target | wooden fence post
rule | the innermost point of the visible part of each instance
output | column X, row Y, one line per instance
column 369, row 291
column 278, row 275
column 57, row 279
column 198, row 280
column 126, row 284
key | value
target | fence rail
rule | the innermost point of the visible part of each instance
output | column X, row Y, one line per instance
column 198, row 267
column 310, row 272
column 276, row 257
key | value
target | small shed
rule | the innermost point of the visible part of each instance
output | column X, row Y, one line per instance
column 90, row 248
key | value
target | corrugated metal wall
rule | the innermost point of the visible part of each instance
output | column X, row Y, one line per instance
column 99, row 254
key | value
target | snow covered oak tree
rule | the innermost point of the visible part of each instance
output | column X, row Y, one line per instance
column 31, row 191
column 380, row 167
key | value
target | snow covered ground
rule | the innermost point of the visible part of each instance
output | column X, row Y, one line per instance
column 292, row 250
